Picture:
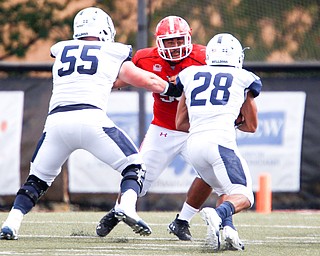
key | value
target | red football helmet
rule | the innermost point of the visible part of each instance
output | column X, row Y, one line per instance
column 169, row 28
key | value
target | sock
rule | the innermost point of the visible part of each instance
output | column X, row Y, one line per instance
column 228, row 222
column 14, row 219
column 116, row 205
column 225, row 210
column 130, row 184
column 187, row 212
column 23, row 203
column 128, row 204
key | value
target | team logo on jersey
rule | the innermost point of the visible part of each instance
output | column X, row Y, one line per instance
column 157, row 67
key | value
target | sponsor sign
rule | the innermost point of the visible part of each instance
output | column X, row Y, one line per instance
column 274, row 148
column 11, row 115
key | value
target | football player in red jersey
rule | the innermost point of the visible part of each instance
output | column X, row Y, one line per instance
column 173, row 53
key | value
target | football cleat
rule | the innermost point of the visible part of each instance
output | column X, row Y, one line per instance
column 180, row 228
column 8, row 233
column 138, row 226
column 106, row 224
column 232, row 240
column 213, row 221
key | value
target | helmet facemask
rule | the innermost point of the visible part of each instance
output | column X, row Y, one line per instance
column 168, row 53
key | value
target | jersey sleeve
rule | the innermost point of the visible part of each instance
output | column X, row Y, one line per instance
column 256, row 86
column 54, row 50
column 122, row 51
column 136, row 57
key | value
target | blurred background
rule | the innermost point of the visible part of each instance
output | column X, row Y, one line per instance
column 276, row 31
column 284, row 41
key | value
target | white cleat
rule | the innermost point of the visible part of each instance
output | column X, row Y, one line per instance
column 213, row 221
column 232, row 240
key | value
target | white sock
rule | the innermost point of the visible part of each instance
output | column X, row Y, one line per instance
column 14, row 219
column 128, row 204
column 187, row 212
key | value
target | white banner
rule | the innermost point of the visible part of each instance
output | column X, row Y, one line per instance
column 11, row 115
column 274, row 148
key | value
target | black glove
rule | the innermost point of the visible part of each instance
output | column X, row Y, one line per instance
column 172, row 90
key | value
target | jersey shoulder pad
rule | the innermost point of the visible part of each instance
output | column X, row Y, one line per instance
column 256, row 84
column 56, row 48
column 145, row 53
column 120, row 47
column 198, row 53
column 199, row 47
column 121, row 51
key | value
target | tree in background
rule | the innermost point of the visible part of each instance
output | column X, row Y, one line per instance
column 279, row 31
column 22, row 23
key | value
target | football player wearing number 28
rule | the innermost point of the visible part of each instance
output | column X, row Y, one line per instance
column 163, row 142
column 213, row 96
column 84, row 71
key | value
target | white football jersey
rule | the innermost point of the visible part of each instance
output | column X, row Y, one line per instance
column 78, row 63
column 214, row 96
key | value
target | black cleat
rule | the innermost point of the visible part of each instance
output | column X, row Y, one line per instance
column 107, row 223
column 180, row 228
column 138, row 226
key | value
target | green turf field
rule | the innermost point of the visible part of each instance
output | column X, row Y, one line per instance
column 73, row 233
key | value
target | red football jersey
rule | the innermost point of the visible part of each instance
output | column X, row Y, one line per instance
column 165, row 107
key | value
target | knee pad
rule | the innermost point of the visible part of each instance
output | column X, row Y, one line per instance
column 34, row 188
column 135, row 172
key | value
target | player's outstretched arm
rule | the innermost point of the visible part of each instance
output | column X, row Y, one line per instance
column 118, row 84
column 137, row 77
column 182, row 117
column 250, row 114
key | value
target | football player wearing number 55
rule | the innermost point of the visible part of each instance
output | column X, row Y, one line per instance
column 213, row 96
column 84, row 71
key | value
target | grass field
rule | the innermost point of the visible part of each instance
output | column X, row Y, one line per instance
column 73, row 233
